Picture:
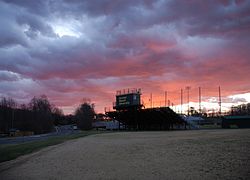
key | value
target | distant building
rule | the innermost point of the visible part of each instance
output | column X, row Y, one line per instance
column 238, row 121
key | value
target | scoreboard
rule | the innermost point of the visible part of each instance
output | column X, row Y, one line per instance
column 128, row 100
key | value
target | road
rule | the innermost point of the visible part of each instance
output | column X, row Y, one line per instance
column 191, row 154
column 60, row 131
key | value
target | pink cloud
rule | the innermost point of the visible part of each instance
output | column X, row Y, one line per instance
column 154, row 45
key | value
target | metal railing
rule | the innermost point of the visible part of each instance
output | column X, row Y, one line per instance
column 128, row 91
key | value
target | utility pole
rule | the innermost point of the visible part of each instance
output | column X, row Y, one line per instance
column 168, row 103
column 188, row 88
column 12, row 119
column 181, row 99
column 219, row 101
column 166, row 97
column 200, row 100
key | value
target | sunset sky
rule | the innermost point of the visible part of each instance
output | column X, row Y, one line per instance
column 70, row 50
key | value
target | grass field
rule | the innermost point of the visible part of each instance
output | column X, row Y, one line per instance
column 9, row 152
column 210, row 126
column 190, row 154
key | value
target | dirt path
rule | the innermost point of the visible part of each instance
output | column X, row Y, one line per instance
column 202, row 154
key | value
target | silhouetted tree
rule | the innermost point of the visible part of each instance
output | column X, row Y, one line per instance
column 84, row 116
column 7, row 107
column 58, row 116
column 242, row 109
column 70, row 119
column 193, row 111
column 42, row 114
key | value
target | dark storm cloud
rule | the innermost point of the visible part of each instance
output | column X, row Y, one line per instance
column 39, row 7
column 18, row 25
column 102, row 45
column 193, row 17
column 35, row 24
column 10, row 32
column 104, row 7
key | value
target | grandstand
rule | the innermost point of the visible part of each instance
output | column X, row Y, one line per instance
column 129, row 111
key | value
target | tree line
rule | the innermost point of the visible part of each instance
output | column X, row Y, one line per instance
column 40, row 116
column 242, row 109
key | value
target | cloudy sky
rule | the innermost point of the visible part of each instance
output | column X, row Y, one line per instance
column 77, row 49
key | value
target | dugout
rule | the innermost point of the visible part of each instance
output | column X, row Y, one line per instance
column 239, row 121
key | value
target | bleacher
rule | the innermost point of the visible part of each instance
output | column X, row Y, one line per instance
column 162, row 118
column 129, row 112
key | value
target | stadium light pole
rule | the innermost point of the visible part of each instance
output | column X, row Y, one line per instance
column 219, row 101
column 166, row 97
column 188, row 88
column 181, row 99
column 200, row 100
column 151, row 100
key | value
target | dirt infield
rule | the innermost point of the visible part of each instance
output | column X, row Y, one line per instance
column 197, row 154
